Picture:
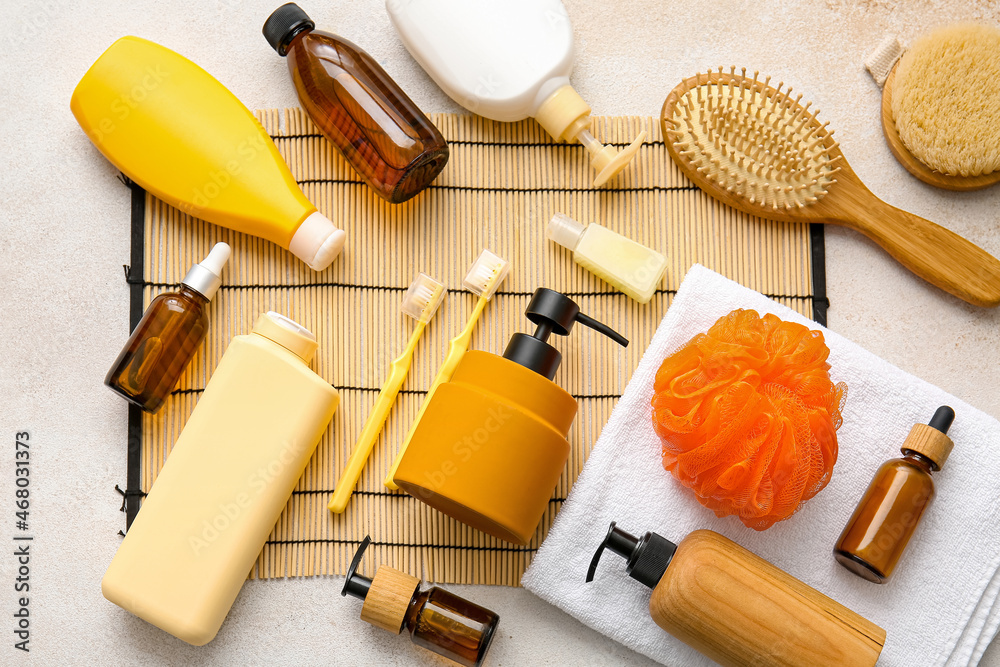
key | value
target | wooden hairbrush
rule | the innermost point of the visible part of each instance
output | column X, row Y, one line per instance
column 757, row 149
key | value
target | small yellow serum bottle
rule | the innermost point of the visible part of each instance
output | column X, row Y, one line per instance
column 619, row 261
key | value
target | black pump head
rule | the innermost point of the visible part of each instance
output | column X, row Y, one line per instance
column 284, row 24
column 553, row 313
column 357, row 585
column 646, row 558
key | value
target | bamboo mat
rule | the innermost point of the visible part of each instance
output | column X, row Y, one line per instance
column 502, row 184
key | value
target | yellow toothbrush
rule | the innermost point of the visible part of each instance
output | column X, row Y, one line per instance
column 421, row 301
column 483, row 279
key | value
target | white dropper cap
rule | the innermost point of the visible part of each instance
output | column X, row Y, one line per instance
column 206, row 277
column 565, row 231
column 317, row 241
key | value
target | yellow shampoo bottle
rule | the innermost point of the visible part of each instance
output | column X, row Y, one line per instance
column 227, row 479
column 171, row 127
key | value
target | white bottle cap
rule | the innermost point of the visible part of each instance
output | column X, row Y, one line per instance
column 206, row 277
column 565, row 231
column 317, row 241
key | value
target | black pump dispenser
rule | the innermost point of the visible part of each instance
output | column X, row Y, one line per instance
column 357, row 585
column 646, row 558
column 553, row 313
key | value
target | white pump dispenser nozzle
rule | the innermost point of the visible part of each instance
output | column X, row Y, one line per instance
column 566, row 116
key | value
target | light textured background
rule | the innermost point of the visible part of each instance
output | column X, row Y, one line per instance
column 64, row 236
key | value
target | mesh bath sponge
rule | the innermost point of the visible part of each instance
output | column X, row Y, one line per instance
column 748, row 416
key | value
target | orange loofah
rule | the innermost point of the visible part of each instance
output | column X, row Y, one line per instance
column 749, row 417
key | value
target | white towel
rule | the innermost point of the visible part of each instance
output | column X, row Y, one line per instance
column 939, row 608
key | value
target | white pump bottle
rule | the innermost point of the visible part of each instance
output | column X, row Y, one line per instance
column 506, row 60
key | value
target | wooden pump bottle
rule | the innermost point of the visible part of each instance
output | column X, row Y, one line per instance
column 883, row 522
column 438, row 620
column 738, row 609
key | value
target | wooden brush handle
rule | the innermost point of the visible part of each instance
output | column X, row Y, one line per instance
column 938, row 255
column 742, row 611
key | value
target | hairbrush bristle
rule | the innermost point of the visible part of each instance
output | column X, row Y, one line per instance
column 755, row 141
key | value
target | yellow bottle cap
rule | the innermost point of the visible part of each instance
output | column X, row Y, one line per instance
column 287, row 333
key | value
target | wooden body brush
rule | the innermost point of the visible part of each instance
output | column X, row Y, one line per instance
column 913, row 163
column 939, row 107
column 757, row 149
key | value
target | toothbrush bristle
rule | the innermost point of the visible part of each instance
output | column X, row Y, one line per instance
column 486, row 274
column 423, row 298
column 752, row 139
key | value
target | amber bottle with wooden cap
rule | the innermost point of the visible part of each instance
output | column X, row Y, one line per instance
column 438, row 620
column 884, row 520
column 738, row 609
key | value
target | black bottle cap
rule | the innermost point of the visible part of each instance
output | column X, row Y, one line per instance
column 357, row 585
column 553, row 313
column 283, row 24
column 942, row 419
column 646, row 558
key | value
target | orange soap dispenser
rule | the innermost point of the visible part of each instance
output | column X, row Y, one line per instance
column 491, row 444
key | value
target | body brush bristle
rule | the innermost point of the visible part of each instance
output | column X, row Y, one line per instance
column 755, row 141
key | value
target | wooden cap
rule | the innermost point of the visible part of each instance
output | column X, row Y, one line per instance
column 930, row 442
column 388, row 599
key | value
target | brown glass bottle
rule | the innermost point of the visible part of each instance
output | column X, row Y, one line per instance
column 883, row 522
column 450, row 626
column 160, row 348
column 364, row 114
column 167, row 337
column 443, row 622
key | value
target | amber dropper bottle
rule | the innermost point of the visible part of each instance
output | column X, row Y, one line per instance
column 438, row 620
column 884, row 521
column 367, row 117
column 167, row 336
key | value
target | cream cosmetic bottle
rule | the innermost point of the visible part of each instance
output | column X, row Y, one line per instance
column 225, row 483
column 507, row 61
column 631, row 267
